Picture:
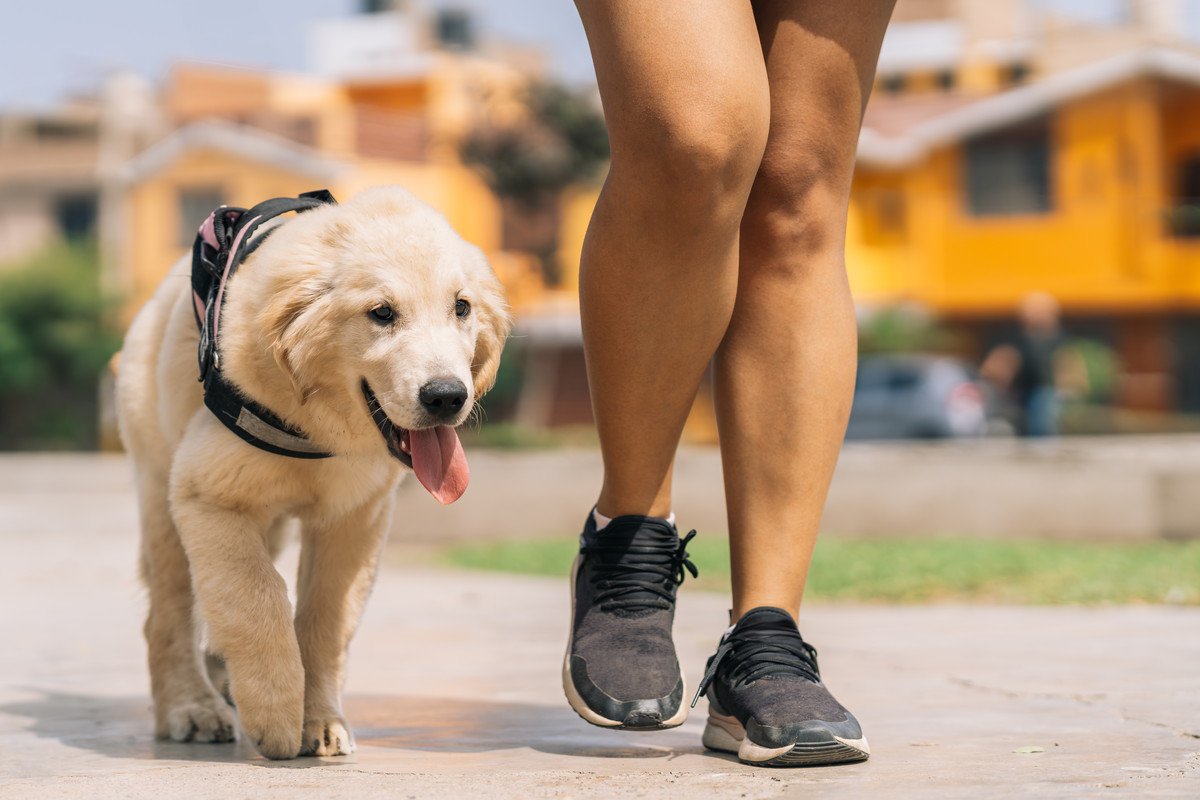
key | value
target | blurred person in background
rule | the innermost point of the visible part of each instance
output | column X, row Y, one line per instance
column 1036, row 368
column 719, row 236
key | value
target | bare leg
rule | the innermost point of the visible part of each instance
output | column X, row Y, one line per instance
column 685, row 98
column 337, row 571
column 785, row 371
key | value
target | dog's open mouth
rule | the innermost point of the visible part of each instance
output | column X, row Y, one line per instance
column 434, row 454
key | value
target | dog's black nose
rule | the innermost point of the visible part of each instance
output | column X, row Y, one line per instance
column 444, row 398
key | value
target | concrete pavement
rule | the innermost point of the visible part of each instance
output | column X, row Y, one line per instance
column 454, row 690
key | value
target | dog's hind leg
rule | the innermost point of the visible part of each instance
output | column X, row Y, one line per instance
column 185, row 706
column 338, row 563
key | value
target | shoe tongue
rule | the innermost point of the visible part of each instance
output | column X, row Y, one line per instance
column 767, row 616
column 639, row 530
column 439, row 462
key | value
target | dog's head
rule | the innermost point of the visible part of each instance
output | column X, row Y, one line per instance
column 386, row 325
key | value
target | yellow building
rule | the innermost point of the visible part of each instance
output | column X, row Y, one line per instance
column 996, row 159
column 1084, row 183
column 238, row 137
column 1081, row 184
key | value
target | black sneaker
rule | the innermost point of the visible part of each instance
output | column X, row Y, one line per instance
column 620, row 670
column 766, row 701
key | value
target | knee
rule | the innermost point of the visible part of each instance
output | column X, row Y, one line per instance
column 799, row 202
column 703, row 157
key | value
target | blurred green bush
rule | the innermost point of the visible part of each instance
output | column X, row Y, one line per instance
column 56, row 338
column 903, row 329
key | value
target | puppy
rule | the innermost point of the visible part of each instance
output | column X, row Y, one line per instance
column 372, row 328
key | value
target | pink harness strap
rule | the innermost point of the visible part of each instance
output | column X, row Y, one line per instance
column 207, row 233
column 225, row 274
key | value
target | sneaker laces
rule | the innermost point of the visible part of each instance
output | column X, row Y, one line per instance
column 770, row 646
column 631, row 575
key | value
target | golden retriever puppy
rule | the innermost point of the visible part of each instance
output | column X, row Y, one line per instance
column 372, row 328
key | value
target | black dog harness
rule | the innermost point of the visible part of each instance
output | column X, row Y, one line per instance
column 223, row 241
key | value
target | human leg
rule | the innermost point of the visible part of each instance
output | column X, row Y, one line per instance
column 685, row 98
column 784, row 381
column 785, row 370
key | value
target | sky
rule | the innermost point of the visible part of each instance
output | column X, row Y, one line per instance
column 55, row 48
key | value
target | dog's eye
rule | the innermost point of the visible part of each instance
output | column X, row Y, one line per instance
column 462, row 308
column 382, row 314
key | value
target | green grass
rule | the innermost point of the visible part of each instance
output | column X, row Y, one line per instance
column 924, row 570
column 511, row 436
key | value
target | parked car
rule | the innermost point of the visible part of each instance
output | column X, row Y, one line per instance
column 916, row 396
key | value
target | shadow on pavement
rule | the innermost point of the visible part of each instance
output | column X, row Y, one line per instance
column 121, row 727
column 472, row 726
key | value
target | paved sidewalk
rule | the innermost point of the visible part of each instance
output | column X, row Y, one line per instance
column 454, row 691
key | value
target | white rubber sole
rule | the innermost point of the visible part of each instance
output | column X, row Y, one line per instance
column 581, row 707
column 727, row 735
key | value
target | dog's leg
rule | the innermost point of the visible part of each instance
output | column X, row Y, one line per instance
column 337, row 570
column 218, row 673
column 185, row 706
column 245, row 605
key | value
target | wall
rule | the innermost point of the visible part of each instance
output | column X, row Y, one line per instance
column 152, row 210
column 1102, row 246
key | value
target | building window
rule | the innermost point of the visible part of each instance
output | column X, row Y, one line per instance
column 454, row 29
column 1016, row 74
column 884, row 216
column 76, row 216
column 1008, row 172
column 53, row 130
column 893, row 84
column 1183, row 218
column 195, row 204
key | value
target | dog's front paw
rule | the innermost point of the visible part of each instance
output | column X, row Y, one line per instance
column 276, row 743
column 208, row 720
column 273, row 729
column 327, row 736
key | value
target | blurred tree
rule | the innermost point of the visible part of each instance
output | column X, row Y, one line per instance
column 560, row 140
column 54, row 342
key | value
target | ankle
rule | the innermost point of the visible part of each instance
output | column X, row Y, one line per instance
column 601, row 520
column 740, row 610
column 619, row 502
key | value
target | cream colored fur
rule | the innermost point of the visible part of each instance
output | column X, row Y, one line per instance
column 296, row 336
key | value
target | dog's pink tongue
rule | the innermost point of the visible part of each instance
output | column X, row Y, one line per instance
column 440, row 463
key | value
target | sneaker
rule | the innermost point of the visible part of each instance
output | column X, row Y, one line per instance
column 620, row 669
column 766, row 701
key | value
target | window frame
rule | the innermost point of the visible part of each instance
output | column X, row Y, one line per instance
column 185, row 225
column 1034, row 135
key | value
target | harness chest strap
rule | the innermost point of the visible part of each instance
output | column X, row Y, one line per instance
column 223, row 241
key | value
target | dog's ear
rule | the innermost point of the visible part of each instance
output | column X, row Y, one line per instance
column 288, row 321
column 494, row 324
